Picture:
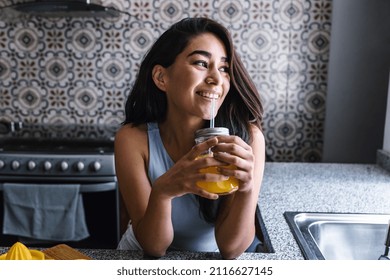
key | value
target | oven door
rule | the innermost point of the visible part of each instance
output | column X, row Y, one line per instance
column 101, row 207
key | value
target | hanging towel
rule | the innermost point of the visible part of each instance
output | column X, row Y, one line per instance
column 44, row 212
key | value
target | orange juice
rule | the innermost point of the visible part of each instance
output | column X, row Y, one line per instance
column 221, row 187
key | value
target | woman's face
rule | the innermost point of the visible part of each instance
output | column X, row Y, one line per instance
column 199, row 74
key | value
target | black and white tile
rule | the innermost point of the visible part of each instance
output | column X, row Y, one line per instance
column 80, row 70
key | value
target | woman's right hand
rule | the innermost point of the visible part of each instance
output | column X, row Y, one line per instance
column 181, row 178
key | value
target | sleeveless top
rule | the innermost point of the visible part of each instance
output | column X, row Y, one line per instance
column 191, row 231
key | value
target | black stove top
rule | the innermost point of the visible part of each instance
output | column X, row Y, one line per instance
column 56, row 151
column 74, row 131
column 58, row 146
column 56, row 138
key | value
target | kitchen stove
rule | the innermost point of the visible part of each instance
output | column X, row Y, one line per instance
column 57, row 159
column 57, row 151
column 66, row 154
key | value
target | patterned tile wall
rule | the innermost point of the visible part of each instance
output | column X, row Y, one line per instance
column 79, row 70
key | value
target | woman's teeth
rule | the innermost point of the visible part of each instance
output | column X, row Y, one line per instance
column 208, row 95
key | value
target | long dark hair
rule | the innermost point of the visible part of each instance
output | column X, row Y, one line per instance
column 241, row 107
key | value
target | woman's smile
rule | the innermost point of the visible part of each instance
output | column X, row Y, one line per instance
column 208, row 94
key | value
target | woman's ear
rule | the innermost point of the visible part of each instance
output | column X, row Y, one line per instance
column 158, row 75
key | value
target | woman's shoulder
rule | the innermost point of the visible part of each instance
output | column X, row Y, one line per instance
column 131, row 134
column 257, row 136
column 256, row 132
column 131, row 129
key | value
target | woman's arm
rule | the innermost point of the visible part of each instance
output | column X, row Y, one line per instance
column 149, row 207
column 148, row 210
column 235, row 227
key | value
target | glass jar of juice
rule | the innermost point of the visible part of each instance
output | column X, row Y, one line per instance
column 221, row 187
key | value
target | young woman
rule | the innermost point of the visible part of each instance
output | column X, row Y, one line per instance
column 192, row 63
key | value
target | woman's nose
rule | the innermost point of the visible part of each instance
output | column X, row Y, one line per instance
column 214, row 77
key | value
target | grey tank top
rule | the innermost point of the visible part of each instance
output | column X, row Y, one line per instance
column 191, row 231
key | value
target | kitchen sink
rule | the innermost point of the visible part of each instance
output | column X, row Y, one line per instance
column 339, row 236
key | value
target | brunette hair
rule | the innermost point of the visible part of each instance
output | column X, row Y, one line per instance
column 241, row 107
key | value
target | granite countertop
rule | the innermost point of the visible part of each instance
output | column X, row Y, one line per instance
column 308, row 187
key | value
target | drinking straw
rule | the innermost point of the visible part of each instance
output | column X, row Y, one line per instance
column 212, row 113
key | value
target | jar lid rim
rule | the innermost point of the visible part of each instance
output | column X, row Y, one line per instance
column 212, row 131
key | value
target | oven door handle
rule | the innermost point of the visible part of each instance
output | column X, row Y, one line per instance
column 98, row 187
column 88, row 188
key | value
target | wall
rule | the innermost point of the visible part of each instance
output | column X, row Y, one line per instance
column 358, row 80
column 386, row 138
column 79, row 70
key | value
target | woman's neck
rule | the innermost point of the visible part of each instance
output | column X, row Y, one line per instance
column 178, row 136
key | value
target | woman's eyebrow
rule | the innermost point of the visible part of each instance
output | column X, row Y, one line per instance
column 206, row 54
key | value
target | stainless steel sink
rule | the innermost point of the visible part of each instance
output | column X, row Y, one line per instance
column 339, row 236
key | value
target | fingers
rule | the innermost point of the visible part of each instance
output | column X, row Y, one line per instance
column 192, row 187
column 232, row 157
column 201, row 148
column 237, row 155
column 240, row 160
column 239, row 174
column 234, row 140
column 185, row 177
column 236, row 152
column 206, row 194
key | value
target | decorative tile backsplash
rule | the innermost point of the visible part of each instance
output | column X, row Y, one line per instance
column 80, row 70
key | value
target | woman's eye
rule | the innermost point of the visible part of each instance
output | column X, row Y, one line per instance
column 201, row 63
column 225, row 69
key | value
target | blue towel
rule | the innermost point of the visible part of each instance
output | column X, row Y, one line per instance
column 44, row 212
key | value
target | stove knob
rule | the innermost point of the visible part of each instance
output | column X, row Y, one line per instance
column 2, row 164
column 64, row 166
column 15, row 165
column 47, row 165
column 80, row 166
column 96, row 166
column 31, row 165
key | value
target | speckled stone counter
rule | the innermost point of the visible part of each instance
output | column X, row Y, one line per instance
column 318, row 187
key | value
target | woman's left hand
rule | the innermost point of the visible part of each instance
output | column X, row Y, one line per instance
column 232, row 150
